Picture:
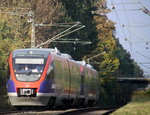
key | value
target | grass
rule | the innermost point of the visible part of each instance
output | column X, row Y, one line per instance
column 140, row 105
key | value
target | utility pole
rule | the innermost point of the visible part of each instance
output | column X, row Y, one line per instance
column 30, row 15
column 33, row 36
column 31, row 20
column 72, row 27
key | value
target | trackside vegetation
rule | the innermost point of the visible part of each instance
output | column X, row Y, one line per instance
column 139, row 105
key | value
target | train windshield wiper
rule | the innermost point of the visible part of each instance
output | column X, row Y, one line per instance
column 28, row 72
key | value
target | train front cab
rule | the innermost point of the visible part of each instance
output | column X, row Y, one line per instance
column 29, row 87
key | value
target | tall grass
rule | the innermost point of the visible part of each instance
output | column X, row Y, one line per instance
column 139, row 105
column 141, row 95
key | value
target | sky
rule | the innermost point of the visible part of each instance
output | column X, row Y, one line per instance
column 133, row 29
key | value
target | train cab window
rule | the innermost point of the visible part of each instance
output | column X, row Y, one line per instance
column 34, row 65
column 28, row 69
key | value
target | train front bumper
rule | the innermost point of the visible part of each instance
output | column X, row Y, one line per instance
column 41, row 99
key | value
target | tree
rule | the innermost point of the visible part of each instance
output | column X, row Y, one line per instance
column 8, row 43
column 77, row 10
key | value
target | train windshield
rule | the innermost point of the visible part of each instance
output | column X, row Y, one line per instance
column 28, row 69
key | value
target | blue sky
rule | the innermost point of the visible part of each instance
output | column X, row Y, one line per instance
column 133, row 29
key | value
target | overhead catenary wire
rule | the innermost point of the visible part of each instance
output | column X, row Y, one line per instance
column 128, row 22
column 126, row 10
column 138, row 35
column 62, row 34
column 138, row 26
column 30, row 14
column 117, row 17
column 144, row 8
column 139, row 39
column 73, row 42
column 142, row 55
column 127, row 3
column 144, row 63
column 121, row 27
column 145, row 66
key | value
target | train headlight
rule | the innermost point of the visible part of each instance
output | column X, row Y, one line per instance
column 39, row 75
column 17, row 75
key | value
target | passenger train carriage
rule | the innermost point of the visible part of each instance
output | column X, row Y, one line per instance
column 46, row 77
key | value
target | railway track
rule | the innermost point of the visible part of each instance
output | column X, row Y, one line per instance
column 90, row 111
column 18, row 112
column 82, row 111
column 5, row 112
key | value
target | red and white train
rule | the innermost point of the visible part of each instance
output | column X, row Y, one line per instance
column 46, row 77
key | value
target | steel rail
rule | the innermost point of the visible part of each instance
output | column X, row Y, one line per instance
column 86, row 110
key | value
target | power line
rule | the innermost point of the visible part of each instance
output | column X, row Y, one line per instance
column 144, row 63
column 128, row 22
column 145, row 66
column 142, row 55
column 136, row 34
column 62, row 34
column 134, row 26
column 119, row 22
column 73, row 42
column 126, row 3
column 144, row 9
column 127, row 10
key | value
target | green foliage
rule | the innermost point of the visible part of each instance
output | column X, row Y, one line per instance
column 103, row 98
column 111, row 89
column 126, row 67
column 141, row 94
column 7, row 44
column 107, row 64
column 139, row 104
column 78, row 10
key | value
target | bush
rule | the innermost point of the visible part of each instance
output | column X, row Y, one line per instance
column 141, row 95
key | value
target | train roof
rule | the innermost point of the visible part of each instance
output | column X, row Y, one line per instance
column 45, row 52
column 66, row 56
column 35, row 51
column 86, row 65
column 39, row 49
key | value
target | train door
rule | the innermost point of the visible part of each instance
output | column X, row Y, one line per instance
column 74, row 84
column 58, row 76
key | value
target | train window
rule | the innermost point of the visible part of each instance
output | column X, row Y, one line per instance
column 32, row 65
column 28, row 69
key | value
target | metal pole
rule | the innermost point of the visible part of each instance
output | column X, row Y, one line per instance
column 31, row 20
column 33, row 35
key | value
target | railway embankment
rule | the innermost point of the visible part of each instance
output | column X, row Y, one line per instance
column 139, row 105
